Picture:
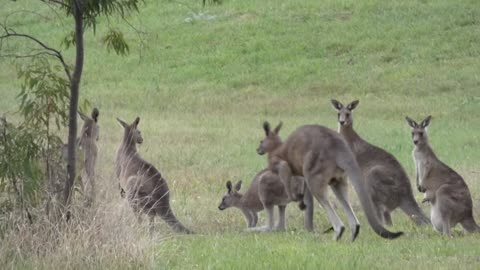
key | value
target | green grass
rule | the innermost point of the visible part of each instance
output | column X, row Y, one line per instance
column 203, row 89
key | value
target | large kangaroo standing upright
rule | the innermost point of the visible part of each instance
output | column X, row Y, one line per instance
column 444, row 188
column 385, row 179
column 323, row 157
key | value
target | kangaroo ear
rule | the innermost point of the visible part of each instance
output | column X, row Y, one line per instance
column 229, row 186
column 122, row 123
column 135, row 123
column 426, row 121
column 337, row 105
column 411, row 122
column 238, row 185
column 83, row 116
column 277, row 129
column 353, row 105
column 266, row 127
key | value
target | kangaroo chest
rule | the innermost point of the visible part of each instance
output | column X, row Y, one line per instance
column 422, row 164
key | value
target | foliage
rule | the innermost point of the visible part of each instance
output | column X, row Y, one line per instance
column 32, row 147
column 43, row 96
column 114, row 41
column 92, row 9
column 19, row 169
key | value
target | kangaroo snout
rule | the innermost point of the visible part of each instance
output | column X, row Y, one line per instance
column 341, row 122
column 415, row 142
column 221, row 207
column 260, row 151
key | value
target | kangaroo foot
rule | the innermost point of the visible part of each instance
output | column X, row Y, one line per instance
column 355, row 232
column 260, row 229
column 338, row 234
column 328, row 230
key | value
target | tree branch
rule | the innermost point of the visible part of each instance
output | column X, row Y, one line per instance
column 57, row 2
column 26, row 56
column 53, row 52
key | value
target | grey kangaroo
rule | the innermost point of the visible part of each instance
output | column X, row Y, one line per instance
column 88, row 137
column 265, row 191
column 269, row 145
column 443, row 187
column 146, row 190
column 385, row 179
column 323, row 157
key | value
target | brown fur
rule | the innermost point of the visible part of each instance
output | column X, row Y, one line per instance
column 444, row 188
column 322, row 156
column 145, row 188
column 385, row 178
column 89, row 135
column 265, row 191
column 270, row 144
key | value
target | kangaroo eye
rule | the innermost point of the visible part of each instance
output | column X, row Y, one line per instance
column 420, row 134
column 348, row 114
column 413, row 134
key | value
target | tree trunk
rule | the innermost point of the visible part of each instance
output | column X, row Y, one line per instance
column 74, row 93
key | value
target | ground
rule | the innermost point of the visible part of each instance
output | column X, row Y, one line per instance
column 203, row 80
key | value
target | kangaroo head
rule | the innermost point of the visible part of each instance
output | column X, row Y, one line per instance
column 131, row 132
column 232, row 197
column 271, row 141
column 90, row 127
column 345, row 113
column 419, row 131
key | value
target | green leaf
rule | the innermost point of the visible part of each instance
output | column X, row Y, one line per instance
column 115, row 41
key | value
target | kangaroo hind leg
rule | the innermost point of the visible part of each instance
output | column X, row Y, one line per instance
column 270, row 220
column 281, row 224
column 340, row 188
column 318, row 184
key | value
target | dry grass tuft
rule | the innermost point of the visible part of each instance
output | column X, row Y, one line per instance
column 107, row 237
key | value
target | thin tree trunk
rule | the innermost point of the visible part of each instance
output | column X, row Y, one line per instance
column 74, row 93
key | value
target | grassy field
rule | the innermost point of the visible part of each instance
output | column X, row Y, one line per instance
column 204, row 84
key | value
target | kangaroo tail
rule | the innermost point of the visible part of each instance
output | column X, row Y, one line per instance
column 173, row 222
column 470, row 225
column 347, row 162
column 410, row 207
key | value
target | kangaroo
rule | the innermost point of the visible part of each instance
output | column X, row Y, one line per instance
column 444, row 188
column 385, row 179
column 323, row 157
column 87, row 142
column 145, row 188
column 265, row 191
column 268, row 145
